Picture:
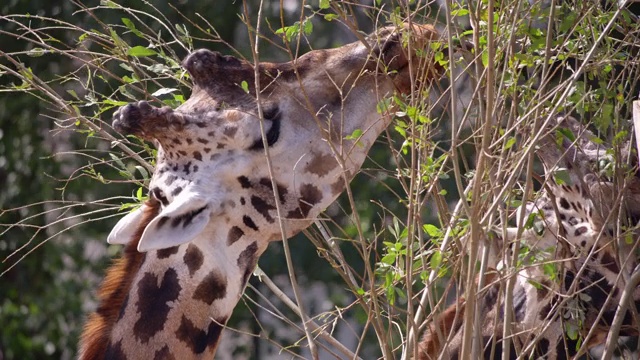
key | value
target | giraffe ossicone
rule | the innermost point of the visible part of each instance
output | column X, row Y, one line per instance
column 211, row 210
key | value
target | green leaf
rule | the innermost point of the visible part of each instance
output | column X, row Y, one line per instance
column 388, row 259
column 571, row 330
column 308, row 27
column 436, row 260
column 109, row 3
column 510, row 142
column 324, row 4
column 131, row 26
column 143, row 171
column 550, row 270
column 126, row 67
column 530, row 220
column 73, row 93
column 117, row 160
column 159, row 68
column 141, row 51
column 290, row 31
column 330, row 17
column 432, row 230
column 383, row 106
column 596, row 140
column 485, row 58
column 245, row 86
column 562, row 176
column 567, row 134
column 535, row 284
column 459, row 12
column 539, row 228
column 354, row 135
column 114, row 102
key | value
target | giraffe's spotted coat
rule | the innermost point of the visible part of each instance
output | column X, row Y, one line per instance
column 263, row 207
column 176, row 191
column 198, row 340
column 282, row 190
column 211, row 288
column 164, row 354
column 244, row 182
column 165, row 253
column 115, row 352
column 248, row 221
column 247, row 260
column 193, row 258
column 322, row 164
column 309, row 196
column 235, row 233
column 153, row 303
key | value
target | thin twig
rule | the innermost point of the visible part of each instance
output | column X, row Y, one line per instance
column 285, row 243
column 319, row 330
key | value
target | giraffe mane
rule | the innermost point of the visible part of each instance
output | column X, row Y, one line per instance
column 450, row 320
column 114, row 290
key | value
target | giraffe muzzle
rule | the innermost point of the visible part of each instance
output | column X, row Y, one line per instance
column 142, row 119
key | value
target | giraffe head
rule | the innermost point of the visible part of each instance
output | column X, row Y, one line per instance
column 211, row 168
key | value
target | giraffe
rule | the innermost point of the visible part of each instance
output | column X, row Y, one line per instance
column 211, row 213
column 574, row 236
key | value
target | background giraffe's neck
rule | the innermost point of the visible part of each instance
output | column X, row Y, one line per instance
column 170, row 302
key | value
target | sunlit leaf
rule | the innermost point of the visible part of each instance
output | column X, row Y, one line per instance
column 141, row 51
column 163, row 91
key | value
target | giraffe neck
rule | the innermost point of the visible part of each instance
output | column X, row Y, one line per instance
column 540, row 316
column 170, row 303
column 530, row 307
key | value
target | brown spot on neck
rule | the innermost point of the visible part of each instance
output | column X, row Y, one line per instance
column 310, row 195
column 247, row 260
column 321, row 164
column 211, row 288
column 164, row 354
column 153, row 303
column 199, row 340
column 165, row 253
column 193, row 258
column 235, row 233
column 113, row 292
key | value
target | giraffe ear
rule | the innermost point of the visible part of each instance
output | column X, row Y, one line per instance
column 124, row 230
column 178, row 223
